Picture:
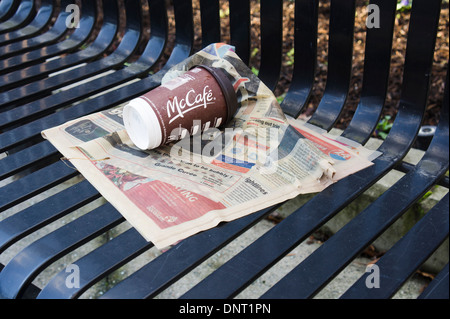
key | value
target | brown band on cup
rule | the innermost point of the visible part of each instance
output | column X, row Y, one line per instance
column 227, row 89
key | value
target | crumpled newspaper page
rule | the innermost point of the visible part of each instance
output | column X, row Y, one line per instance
column 259, row 159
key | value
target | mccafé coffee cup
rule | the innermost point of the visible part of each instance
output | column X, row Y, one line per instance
column 167, row 113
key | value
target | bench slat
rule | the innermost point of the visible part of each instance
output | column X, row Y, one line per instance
column 73, row 42
column 377, row 57
column 40, row 21
column 25, row 12
column 340, row 48
column 271, row 13
column 305, row 51
column 7, row 9
column 438, row 288
column 16, row 275
column 54, row 34
column 93, row 51
column 128, row 45
column 113, row 255
column 154, row 277
column 26, row 158
column 181, row 51
column 210, row 20
column 240, row 28
column 25, row 222
column 402, row 260
column 34, row 183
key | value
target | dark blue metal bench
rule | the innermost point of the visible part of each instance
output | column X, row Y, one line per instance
column 29, row 103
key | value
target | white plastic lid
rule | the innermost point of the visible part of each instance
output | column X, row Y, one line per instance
column 141, row 124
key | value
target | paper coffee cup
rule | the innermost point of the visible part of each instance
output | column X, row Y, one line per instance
column 167, row 113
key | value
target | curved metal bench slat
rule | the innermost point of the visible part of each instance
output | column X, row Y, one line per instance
column 25, row 12
column 17, row 275
column 271, row 42
column 17, row 84
column 340, row 49
column 143, row 65
column 376, row 74
column 21, row 134
column 54, row 34
column 40, row 22
column 7, row 9
column 210, row 21
column 240, row 28
column 102, row 42
column 305, row 56
column 73, row 42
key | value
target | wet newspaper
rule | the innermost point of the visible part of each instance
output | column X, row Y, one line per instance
column 169, row 193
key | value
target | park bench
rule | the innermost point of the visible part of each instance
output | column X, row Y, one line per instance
column 133, row 61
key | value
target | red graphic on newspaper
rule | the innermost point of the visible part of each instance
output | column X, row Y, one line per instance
column 165, row 204
column 168, row 205
column 331, row 150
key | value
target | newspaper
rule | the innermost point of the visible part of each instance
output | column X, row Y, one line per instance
column 259, row 159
